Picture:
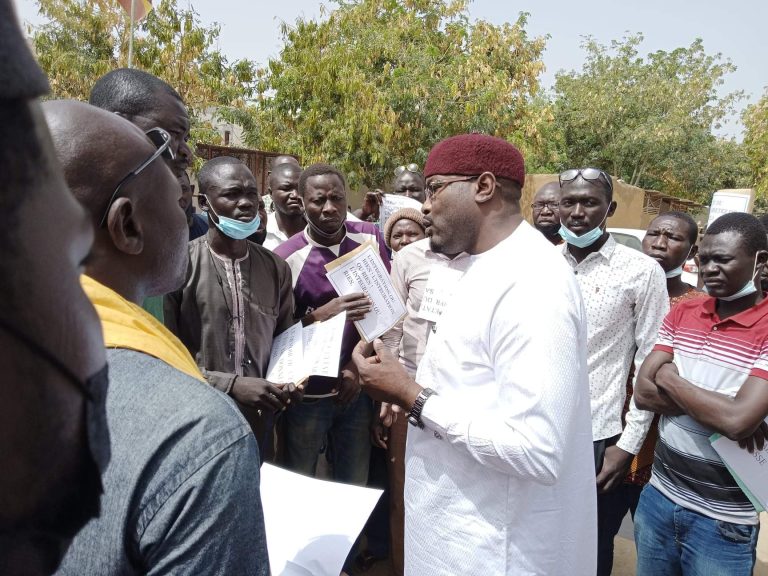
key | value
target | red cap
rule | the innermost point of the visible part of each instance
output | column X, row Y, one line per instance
column 473, row 154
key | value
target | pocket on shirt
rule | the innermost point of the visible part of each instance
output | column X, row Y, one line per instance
column 270, row 311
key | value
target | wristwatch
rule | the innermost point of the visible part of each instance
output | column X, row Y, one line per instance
column 414, row 416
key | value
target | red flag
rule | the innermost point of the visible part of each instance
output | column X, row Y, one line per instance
column 140, row 8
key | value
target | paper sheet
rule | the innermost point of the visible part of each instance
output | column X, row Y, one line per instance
column 749, row 470
column 312, row 350
column 311, row 524
column 322, row 346
column 438, row 291
column 286, row 356
column 363, row 271
column 391, row 203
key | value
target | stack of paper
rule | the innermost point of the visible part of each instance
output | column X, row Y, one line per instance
column 362, row 270
column 304, row 351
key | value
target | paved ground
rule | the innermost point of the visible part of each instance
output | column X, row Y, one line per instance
column 624, row 561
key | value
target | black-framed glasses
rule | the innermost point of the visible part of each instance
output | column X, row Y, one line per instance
column 551, row 204
column 435, row 186
column 409, row 168
column 588, row 174
column 162, row 140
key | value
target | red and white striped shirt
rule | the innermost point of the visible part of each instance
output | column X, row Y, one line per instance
column 716, row 355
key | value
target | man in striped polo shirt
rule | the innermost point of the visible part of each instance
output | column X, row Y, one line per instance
column 708, row 373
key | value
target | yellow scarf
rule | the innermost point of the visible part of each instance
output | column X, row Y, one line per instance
column 127, row 325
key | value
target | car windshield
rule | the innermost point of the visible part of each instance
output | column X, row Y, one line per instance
column 628, row 240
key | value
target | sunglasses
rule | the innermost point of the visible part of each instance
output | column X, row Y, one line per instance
column 588, row 174
column 162, row 140
column 410, row 168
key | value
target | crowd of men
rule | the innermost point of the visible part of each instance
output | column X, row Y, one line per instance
column 564, row 381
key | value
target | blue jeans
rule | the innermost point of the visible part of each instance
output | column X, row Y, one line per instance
column 347, row 428
column 673, row 540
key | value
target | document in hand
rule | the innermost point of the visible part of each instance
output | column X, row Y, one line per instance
column 391, row 203
column 311, row 524
column 363, row 271
column 304, row 351
column 749, row 470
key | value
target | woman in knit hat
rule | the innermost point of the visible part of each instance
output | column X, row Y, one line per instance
column 403, row 227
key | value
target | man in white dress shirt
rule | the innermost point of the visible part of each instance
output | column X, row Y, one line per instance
column 625, row 295
column 499, row 468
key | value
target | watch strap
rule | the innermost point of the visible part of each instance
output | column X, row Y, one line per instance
column 414, row 416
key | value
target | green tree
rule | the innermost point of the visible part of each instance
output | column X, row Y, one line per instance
column 375, row 83
column 83, row 39
column 756, row 145
column 650, row 120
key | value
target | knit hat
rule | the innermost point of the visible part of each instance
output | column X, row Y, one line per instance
column 403, row 213
column 473, row 154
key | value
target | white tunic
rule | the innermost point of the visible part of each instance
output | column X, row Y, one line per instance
column 501, row 480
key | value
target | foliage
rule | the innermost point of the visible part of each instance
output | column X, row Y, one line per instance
column 84, row 39
column 375, row 83
column 649, row 120
column 756, row 146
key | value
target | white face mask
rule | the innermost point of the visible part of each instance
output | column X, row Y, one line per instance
column 749, row 287
column 679, row 270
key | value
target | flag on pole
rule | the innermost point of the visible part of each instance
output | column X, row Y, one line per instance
column 140, row 9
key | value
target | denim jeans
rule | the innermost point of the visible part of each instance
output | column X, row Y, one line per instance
column 671, row 540
column 347, row 427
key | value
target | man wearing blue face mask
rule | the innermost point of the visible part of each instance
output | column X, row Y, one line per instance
column 625, row 297
column 236, row 299
column 707, row 373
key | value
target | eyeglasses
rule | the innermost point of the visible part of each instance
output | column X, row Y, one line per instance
column 539, row 206
column 588, row 174
column 410, row 168
column 159, row 138
column 434, row 187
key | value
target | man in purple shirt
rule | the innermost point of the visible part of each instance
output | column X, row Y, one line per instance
column 344, row 414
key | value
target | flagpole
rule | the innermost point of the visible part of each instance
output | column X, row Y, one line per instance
column 130, row 38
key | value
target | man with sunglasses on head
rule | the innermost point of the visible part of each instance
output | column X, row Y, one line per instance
column 409, row 181
column 499, row 478
column 237, row 297
column 545, row 209
column 184, row 463
column 625, row 297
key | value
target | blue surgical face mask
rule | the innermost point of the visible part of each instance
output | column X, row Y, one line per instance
column 235, row 228
column 749, row 287
column 586, row 239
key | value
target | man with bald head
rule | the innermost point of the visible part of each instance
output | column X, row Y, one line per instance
column 288, row 216
column 53, row 440
column 546, row 212
column 498, row 471
column 184, row 462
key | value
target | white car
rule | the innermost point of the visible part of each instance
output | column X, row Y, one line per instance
column 633, row 237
